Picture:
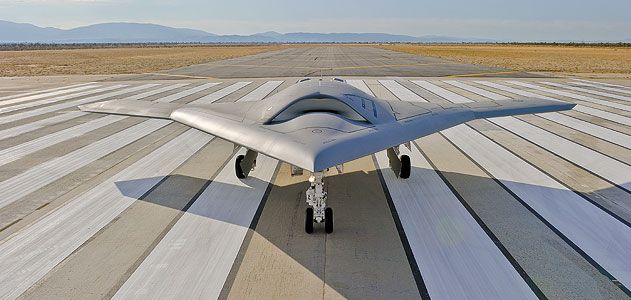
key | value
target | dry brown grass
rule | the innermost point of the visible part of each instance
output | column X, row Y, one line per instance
column 116, row 60
column 531, row 58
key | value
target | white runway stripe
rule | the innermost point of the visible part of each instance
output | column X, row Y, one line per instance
column 37, row 177
column 45, row 91
column 50, row 94
column 28, row 255
column 455, row 256
column 604, row 166
column 600, row 84
column 443, row 93
column 210, row 233
column 599, row 235
column 589, row 91
column 71, row 104
column 400, row 91
column 105, row 215
column 19, row 151
column 360, row 84
column 157, row 91
column 14, row 131
column 603, row 114
column 572, row 95
column 187, row 92
column 580, row 108
column 477, row 90
column 580, row 125
column 607, row 88
column 606, row 134
column 16, row 152
column 17, row 130
column 224, row 92
column 11, row 108
column 454, row 275
column 261, row 92
column 204, row 243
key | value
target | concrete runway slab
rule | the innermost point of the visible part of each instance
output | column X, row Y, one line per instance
column 331, row 61
column 549, row 217
column 363, row 259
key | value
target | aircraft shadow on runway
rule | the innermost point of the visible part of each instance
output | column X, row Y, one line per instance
column 281, row 219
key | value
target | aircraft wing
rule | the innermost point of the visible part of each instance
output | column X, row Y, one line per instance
column 318, row 140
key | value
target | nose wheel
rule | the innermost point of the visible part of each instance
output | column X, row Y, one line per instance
column 318, row 212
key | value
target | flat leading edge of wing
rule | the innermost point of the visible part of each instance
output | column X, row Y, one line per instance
column 317, row 141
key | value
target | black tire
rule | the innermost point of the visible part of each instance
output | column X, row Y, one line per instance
column 237, row 167
column 309, row 220
column 328, row 220
column 406, row 167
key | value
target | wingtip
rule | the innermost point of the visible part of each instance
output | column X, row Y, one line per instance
column 88, row 107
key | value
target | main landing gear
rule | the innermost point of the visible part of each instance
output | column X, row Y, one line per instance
column 244, row 164
column 400, row 165
column 318, row 212
column 316, row 198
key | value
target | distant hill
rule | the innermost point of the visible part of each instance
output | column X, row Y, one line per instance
column 99, row 33
column 11, row 32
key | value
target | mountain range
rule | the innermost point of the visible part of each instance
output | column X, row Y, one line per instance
column 11, row 32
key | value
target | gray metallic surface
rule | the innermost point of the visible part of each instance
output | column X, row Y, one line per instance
column 320, row 136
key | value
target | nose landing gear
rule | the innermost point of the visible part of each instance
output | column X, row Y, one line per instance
column 318, row 212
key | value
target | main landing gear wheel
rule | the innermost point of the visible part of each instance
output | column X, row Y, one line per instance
column 400, row 165
column 328, row 220
column 237, row 167
column 406, row 167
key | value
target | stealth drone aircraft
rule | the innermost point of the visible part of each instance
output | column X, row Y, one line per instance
column 318, row 124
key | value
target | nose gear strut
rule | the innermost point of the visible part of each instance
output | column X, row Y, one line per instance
column 318, row 212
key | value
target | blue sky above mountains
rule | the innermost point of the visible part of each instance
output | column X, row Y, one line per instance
column 494, row 19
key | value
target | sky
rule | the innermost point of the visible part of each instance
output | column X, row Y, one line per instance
column 524, row 20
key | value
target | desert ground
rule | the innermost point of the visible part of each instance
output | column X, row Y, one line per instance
column 578, row 60
column 119, row 60
column 590, row 61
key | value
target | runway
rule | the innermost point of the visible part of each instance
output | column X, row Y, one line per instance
column 95, row 206
column 331, row 61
